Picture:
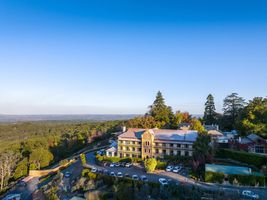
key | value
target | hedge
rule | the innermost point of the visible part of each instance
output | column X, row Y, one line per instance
column 214, row 177
column 118, row 159
column 247, row 180
column 244, row 157
column 161, row 164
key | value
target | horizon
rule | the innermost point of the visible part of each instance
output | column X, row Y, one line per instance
column 86, row 57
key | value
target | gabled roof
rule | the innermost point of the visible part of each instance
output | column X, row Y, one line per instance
column 162, row 134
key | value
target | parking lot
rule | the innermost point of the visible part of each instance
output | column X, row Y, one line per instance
column 139, row 170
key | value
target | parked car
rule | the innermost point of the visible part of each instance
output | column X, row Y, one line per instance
column 144, row 178
column 112, row 174
column 250, row 194
column 177, row 169
column 112, row 165
column 163, row 181
column 128, row 164
column 123, row 164
column 127, row 176
column 67, row 174
column 119, row 174
column 117, row 164
column 94, row 170
column 106, row 171
column 169, row 168
column 135, row 177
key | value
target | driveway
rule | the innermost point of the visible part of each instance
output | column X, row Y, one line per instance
column 154, row 177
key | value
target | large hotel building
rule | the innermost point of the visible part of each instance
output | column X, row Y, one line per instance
column 147, row 143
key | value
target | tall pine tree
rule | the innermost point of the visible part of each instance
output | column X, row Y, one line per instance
column 160, row 111
column 210, row 111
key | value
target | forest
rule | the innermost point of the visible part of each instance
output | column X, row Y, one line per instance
column 35, row 145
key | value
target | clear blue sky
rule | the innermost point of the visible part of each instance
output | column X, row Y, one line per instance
column 84, row 57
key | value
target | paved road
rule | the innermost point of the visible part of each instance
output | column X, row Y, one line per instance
column 26, row 192
column 138, row 170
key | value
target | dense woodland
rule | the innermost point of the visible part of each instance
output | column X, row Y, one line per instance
column 35, row 145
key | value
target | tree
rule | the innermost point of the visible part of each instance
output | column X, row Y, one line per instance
column 7, row 164
column 143, row 122
column 253, row 118
column 39, row 158
column 202, row 153
column 21, row 169
column 196, row 125
column 232, row 106
column 210, row 113
column 160, row 111
column 150, row 164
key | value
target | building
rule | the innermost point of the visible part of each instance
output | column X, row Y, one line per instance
column 144, row 143
column 253, row 144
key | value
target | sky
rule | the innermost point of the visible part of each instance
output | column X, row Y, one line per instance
column 111, row 57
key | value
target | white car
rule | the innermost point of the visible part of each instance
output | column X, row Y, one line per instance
column 128, row 164
column 169, row 169
column 250, row 194
column 119, row 174
column 177, row 169
column 135, row 177
column 163, row 181
column 112, row 165
column 112, row 174
column 94, row 170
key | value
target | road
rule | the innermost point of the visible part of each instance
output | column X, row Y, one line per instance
column 154, row 177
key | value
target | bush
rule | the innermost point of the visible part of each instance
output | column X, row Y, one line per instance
column 85, row 172
column 214, row 177
column 249, row 180
column 150, row 164
column 63, row 162
column 117, row 159
column 244, row 157
column 83, row 158
column 161, row 164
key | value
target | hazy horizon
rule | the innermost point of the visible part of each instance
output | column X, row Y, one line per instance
column 87, row 57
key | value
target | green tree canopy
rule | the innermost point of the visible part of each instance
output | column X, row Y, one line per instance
column 40, row 158
column 232, row 106
column 196, row 125
column 253, row 118
column 150, row 164
column 160, row 111
column 210, row 111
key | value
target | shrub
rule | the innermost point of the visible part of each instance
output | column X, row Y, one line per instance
column 214, row 177
column 63, row 162
column 244, row 157
column 83, row 158
column 117, row 159
column 161, row 164
column 150, row 164
column 85, row 172
column 249, row 180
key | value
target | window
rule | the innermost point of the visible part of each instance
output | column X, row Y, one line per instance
column 259, row 149
column 164, row 152
column 157, row 150
column 179, row 145
column 186, row 146
column 186, row 153
column 139, row 149
column 133, row 149
column 171, row 145
column 148, row 150
column 127, row 149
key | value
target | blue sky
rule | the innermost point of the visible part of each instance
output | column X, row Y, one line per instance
column 103, row 57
